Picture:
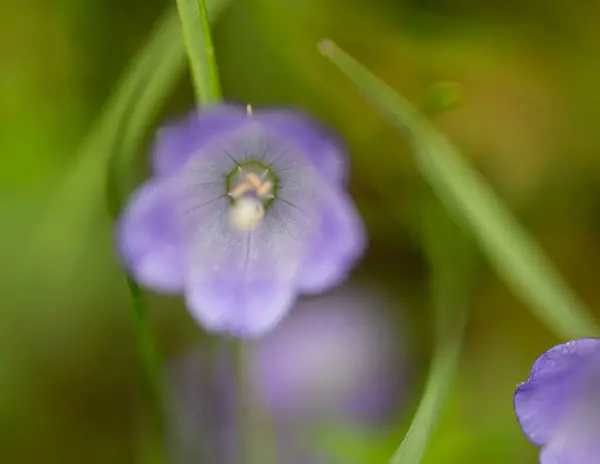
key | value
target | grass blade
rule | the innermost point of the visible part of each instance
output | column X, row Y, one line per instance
column 78, row 201
column 169, row 66
column 453, row 263
column 151, row 369
column 255, row 446
column 200, row 50
column 514, row 254
column 442, row 371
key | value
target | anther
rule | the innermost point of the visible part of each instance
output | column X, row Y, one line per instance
column 264, row 189
column 240, row 190
column 252, row 182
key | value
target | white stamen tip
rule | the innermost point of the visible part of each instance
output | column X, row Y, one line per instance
column 246, row 213
column 248, row 110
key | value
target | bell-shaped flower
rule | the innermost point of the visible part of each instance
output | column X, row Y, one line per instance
column 244, row 211
column 558, row 408
column 337, row 359
column 338, row 356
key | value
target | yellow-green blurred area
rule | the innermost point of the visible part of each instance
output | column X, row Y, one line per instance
column 528, row 74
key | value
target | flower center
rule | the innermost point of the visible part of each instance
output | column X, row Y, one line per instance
column 249, row 194
column 251, row 182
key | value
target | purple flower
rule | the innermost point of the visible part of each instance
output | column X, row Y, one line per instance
column 336, row 357
column 245, row 210
column 558, row 408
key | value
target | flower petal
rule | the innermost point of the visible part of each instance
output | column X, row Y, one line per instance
column 148, row 239
column 245, row 309
column 243, row 282
column 540, row 402
column 339, row 242
column 323, row 148
column 576, row 438
column 177, row 142
column 560, row 451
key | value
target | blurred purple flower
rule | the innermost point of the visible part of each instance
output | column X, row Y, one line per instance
column 336, row 357
column 244, row 211
column 558, row 408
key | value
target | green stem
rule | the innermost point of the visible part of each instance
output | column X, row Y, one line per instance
column 151, row 365
column 244, row 448
column 253, row 418
column 200, row 50
column 453, row 264
column 440, row 377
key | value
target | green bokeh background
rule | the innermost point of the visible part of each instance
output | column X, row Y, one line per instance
column 528, row 74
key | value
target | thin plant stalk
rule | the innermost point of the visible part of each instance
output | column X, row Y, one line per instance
column 151, row 367
column 200, row 50
column 253, row 443
column 453, row 263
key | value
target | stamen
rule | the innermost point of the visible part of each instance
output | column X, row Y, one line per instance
column 240, row 190
column 253, row 182
column 248, row 210
column 264, row 189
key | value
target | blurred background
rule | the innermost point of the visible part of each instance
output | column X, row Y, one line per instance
column 528, row 74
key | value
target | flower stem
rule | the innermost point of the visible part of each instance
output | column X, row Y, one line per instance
column 151, row 366
column 252, row 418
column 200, row 50
column 255, row 444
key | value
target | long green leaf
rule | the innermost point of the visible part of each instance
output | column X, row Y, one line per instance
column 79, row 199
column 119, row 186
column 510, row 249
column 151, row 367
column 169, row 64
column 439, row 380
column 453, row 263
column 201, row 53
